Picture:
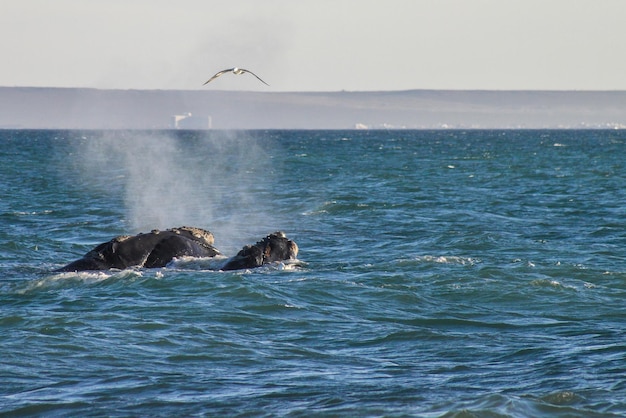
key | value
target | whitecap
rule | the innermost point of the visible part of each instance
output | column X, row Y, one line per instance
column 83, row 277
column 286, row 265
column 448, row 260
column 552, row 283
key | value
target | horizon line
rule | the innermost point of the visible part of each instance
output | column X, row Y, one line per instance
column 476, row 90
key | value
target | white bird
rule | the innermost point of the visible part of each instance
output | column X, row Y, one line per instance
column 237, row 71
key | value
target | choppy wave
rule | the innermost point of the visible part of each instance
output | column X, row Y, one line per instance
column 448, row 260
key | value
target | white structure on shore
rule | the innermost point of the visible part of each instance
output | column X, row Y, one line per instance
column 188, row 121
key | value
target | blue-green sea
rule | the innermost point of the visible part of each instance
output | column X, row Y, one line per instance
column 441, row 273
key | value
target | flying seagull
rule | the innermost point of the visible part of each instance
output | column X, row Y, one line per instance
column 237, row 71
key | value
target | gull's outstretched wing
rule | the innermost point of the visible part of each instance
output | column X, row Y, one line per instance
column 248, row 71
column 218, row 74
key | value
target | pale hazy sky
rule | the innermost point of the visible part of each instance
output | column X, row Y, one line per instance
column 315, row 45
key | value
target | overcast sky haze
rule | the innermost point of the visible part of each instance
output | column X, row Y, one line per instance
column 315, row 45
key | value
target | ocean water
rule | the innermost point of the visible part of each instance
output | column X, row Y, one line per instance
column 441, row 273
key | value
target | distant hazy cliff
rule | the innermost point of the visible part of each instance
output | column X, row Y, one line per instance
column 79, row 108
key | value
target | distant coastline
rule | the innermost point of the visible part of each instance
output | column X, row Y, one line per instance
column 85, row 108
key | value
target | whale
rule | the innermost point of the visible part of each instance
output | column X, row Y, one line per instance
column 157, row 249
column 274, row 247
